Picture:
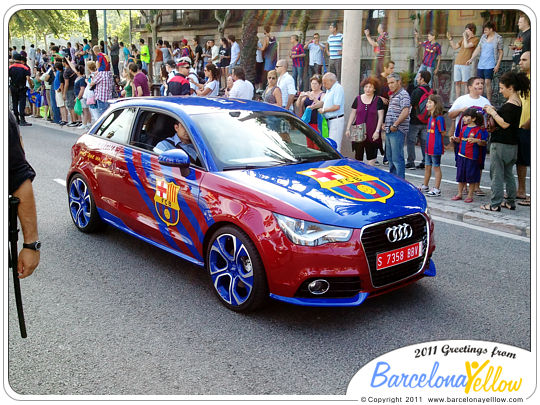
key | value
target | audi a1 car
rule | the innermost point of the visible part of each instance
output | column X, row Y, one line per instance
column 253, row 195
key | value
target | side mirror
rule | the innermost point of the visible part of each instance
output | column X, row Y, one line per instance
column 332, row 142
column 176, row 158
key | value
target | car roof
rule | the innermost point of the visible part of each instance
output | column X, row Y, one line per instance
column 198, row 105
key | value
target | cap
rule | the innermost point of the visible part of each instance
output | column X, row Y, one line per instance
column 185, row 59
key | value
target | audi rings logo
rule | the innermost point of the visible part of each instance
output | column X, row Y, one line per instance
column 398, row 232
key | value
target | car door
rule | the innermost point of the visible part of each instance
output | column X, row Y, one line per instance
column 105, row 150
column 160, row 205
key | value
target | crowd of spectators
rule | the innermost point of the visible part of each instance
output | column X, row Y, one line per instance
column 77, row 83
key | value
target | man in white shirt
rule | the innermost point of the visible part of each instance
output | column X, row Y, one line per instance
column 215, row 52
column 474, row 99
column 286, row 85
column 475, row 86
column 235, row 53
column 333, row 108
column 32, row 58
column 241, row 88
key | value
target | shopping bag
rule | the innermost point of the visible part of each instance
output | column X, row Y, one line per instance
column 78, row 107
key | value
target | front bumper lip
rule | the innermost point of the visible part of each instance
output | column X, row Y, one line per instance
column 355, row 301
column 323, row 302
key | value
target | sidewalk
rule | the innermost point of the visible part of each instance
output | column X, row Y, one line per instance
column 516, row 222
column 43, row 122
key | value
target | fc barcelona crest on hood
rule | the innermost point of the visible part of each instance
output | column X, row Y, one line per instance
column 166, row 202
column 351, row 184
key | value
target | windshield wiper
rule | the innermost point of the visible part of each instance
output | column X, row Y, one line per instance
column 311, row 159
column 243, row 167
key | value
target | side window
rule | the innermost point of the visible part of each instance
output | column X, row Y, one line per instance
column 155, row 128
column 117, row 125
column 152, row 128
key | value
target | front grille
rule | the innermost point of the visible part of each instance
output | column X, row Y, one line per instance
column 374, row 241
column 340, row 287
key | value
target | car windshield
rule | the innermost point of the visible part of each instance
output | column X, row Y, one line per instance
column 255, row 139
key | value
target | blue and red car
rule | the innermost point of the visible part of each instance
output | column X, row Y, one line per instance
column 255, row 196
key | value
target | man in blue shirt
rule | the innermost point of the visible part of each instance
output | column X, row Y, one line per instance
column 316, row 55
column 180, row 140
column 397, row 125
column 334, row 48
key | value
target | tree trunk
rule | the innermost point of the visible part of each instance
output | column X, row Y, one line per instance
column 94, row 26
column 250, row 27
column 223, row 21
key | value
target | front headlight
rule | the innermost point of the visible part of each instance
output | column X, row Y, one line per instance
column 307, row 233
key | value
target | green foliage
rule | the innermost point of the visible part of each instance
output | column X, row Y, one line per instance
column 67, row 24
column 61, row 23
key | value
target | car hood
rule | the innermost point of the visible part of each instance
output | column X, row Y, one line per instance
column 341, row 192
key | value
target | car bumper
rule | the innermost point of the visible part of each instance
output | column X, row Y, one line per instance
column 348, row 267
column 349, row 301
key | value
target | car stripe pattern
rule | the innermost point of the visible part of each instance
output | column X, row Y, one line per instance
column 144, row 169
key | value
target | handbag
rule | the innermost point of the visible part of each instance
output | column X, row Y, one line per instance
column 358, row 132
column 78, row 107
column 491, row 126
column 89, row 96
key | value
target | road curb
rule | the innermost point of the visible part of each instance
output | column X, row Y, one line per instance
column 64, row 128
column 496, row 220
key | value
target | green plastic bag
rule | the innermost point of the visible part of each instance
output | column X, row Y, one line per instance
column 78, row 107
column 323, row 125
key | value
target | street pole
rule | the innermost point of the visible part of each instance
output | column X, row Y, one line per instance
column 105, row 30
column 350, row 72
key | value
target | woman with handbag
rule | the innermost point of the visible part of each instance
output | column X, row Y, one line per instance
column 368, row 116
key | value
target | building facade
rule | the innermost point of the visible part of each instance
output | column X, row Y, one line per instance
column 401, row 23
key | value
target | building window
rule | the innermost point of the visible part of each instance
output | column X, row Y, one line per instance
column 504, row 20
column 374, row 18
column 436, row 21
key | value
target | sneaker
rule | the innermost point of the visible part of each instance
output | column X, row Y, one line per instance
column 377, row 163
column 423, row 188
column 72, row 124
column 385, row 162
column 410, row 166
column 434, row 192
column 420, row 166
column 25, row 124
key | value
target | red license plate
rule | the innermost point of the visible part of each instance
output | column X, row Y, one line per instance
column 398, row 256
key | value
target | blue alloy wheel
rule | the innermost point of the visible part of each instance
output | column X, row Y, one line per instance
column 236, row 270
column 81, row 205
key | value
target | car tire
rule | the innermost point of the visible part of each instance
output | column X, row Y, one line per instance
column 236, row 270
column 82, row 207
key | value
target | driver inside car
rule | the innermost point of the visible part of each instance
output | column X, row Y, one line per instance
column 180, row 140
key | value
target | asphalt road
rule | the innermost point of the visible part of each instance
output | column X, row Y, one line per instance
column 109, row 314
